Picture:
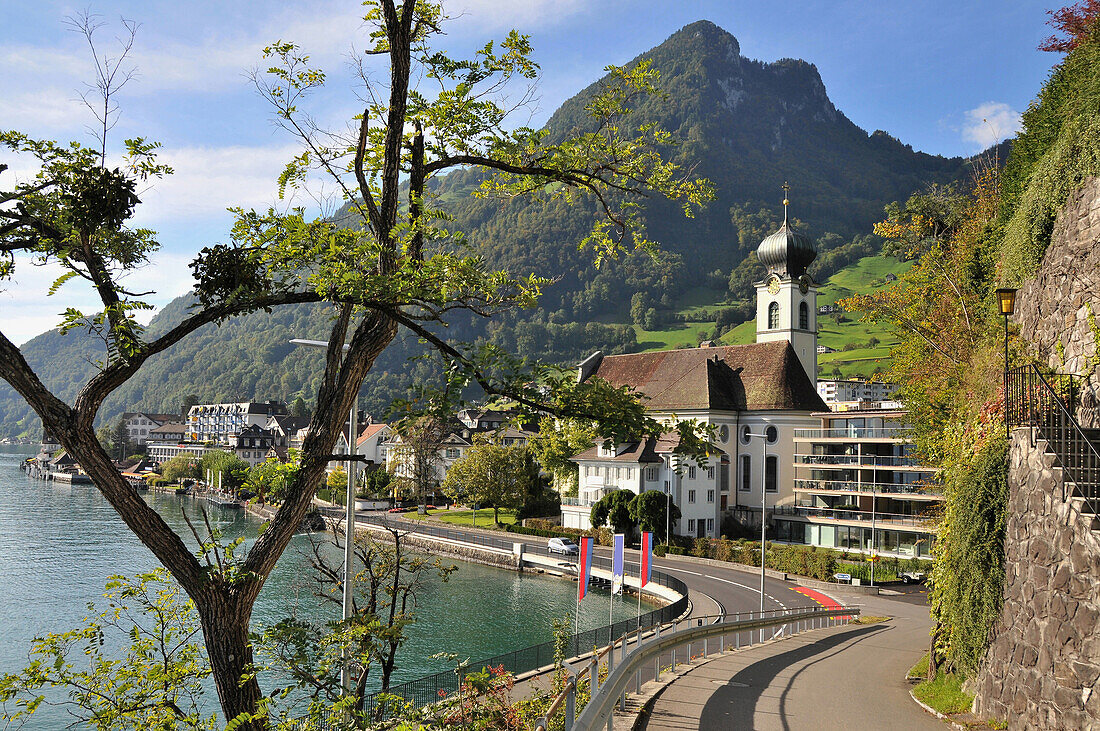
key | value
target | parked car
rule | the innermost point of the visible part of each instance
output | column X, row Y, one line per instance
column 912, row 577
column 564, row 546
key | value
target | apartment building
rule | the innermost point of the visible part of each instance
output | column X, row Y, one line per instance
column 859, row 487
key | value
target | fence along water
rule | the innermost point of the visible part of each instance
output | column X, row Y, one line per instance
column 423, row 691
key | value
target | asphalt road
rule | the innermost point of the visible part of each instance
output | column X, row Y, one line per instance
column 843, row 678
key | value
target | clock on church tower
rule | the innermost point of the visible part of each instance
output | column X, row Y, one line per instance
column 786, row 299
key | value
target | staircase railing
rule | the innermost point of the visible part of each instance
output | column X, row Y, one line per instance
column 1031, row 400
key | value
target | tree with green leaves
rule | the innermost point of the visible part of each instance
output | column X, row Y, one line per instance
column 653, row 511
column 491, row 474
column 157, row 683
column 614, row 508
column 389, row 264
column 181, row 467
column 553, row 446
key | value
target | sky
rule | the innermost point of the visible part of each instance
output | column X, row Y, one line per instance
column 947, row 78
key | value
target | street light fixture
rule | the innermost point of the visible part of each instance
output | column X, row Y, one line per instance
column 1006, row 299
column 763, row 512
column 349, row 518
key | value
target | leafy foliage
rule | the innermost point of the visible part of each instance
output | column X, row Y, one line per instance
column 652, row 511
column 492, row 474
column 155, row 682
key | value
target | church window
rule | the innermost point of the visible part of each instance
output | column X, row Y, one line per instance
column 773, row 316
column 803, row 316
column 771, row 474
column 746, row 473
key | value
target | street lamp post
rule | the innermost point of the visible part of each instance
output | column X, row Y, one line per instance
column 349, row 517
column 763, row 514
column 668, row 515
column 1006, row 298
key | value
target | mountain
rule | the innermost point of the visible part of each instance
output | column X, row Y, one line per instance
column 745, row 124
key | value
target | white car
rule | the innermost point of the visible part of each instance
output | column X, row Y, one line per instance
column 564, row 546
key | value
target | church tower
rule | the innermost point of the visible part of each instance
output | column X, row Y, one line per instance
column 786, row 300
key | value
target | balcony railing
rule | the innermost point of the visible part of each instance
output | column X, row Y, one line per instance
column 920, row 522
column 578, row 502
column 852, row 432
column 856, row 460
column 881, row 488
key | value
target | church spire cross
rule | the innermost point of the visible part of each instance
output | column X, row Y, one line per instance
column 786, row 200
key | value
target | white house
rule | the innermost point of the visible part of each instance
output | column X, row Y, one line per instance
column 139, row 424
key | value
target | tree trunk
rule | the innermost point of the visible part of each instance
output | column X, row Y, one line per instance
column 225, row 631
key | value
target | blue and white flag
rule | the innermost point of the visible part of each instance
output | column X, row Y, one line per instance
column 617, row 570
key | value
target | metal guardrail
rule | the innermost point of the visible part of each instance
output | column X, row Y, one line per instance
column 425, row 690
column 1031, row 400
column 852, row 432
column 883, row 488
column 598, row 713
column 866, row 461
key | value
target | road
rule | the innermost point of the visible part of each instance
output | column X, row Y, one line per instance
column 850, row 678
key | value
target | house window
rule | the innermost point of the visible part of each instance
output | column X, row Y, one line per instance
column 452, row 453
column 746, row 473
column 803, row 316
column 710, row 525
column 771, row 474
column 691, row 473
column 651, row 474
column 691, row 525
column 710, row 473
column 666, row 486
column 773, row 316
column 710, row 496
column 691, row 496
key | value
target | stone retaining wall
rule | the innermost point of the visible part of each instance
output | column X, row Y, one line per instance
column 1043, row 663
column 1042, row 668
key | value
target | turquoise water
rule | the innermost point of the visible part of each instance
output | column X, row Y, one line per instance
column 60, row 543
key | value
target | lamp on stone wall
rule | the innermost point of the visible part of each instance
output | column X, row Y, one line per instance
column 1006, row 298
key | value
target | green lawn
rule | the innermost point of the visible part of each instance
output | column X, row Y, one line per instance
column 484, row 517
column 681, row 334
column 863, row 277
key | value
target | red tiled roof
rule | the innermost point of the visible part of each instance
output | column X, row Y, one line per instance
column 369, row 432
column 759, row 376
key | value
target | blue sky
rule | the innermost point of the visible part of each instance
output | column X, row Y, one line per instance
column 926, row 72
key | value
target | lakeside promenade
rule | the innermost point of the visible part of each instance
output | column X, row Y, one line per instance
column 849, row 677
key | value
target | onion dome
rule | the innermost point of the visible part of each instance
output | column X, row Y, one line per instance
column 786, row 252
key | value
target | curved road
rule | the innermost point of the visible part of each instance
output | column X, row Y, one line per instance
column 843, row 678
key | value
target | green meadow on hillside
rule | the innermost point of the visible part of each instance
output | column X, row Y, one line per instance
column 863, row 349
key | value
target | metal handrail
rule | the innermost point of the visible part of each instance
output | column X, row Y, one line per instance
column 887, row 488
column 1031, row 401
column 604, row 698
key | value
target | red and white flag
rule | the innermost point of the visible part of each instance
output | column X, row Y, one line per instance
column 584, row 567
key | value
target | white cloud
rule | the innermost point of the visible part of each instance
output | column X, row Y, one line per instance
column 499, row 14
column 207, row 180
column 51, row 109
column 990, row 123
column 27, row 311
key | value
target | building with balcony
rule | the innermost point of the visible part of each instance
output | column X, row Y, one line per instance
column 859, row 487
column 218, row 422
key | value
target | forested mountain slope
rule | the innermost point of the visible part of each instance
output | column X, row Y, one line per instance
column 747, row 125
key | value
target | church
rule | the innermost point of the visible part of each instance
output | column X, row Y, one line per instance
column 754, row 396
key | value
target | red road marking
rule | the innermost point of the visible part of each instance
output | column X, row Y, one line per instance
column 824, row 600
